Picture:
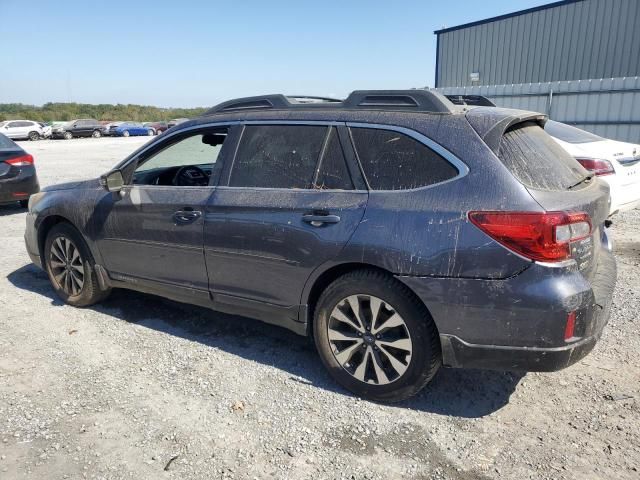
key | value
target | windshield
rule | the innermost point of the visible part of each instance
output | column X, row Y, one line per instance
column 570, row 134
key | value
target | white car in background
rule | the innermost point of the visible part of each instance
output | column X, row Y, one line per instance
column 617, row 163
column 24, row 129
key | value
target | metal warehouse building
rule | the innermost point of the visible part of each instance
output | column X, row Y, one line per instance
column 576, row 60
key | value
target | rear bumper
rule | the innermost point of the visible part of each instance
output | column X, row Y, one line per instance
column 19, row 187
column 518, row 323
column 458, row 354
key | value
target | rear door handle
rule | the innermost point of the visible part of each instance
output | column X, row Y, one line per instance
column 187, row 215
column 319, row 220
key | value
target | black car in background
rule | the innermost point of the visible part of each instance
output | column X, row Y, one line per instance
column 87, row 127
column 18, row 179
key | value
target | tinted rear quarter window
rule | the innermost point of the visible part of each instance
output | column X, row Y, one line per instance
column 277, row 156
column 536, row 160
column 394, row 161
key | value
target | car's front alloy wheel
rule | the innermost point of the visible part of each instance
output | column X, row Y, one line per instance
column 67, row 266
column 71, row 267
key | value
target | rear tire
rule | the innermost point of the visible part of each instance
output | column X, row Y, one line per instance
column 392, row 349
column 96, row 134
column 33, row 136
column 71, row 267
column 150, row 133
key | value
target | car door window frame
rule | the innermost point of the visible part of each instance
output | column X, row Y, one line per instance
column 349, row 155
column 130, row 164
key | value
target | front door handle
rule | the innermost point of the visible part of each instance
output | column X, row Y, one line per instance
column 187, row 215
column 319, row 220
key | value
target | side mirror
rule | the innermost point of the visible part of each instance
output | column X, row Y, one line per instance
column 112, row 181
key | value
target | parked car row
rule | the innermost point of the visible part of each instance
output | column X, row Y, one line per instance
column 84, row 127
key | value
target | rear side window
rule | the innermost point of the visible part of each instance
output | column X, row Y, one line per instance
column 536, row 160
column 395, row 161
column 332, row 170
column 277, row 156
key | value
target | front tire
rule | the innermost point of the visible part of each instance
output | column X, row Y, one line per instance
column 375, row 337
column 70, row 267
column 125, row 133
column 67, row 135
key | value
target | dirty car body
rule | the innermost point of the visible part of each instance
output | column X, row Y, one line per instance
column 269, row 253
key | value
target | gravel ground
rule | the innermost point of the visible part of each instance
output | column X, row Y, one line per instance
column 141, row 387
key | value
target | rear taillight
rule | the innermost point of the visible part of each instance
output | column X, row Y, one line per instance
column 544, row 236
column 599, row 167
column 22, row 161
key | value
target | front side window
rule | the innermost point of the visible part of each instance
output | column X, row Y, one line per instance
column 277, row 156
column 190, row 161
column 394, row 161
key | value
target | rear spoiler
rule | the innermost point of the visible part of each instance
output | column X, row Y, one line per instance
column 470, row 100
column 490, row 123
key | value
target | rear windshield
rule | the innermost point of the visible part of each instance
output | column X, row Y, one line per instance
column 6, row 143
column 570, row 134
column 536, row 160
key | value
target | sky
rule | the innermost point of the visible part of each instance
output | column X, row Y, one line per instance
column 188, row 53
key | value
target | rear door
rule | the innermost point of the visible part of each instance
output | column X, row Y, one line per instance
column 289, row 204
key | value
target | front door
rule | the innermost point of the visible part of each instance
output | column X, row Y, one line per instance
column 152, row 230
column 288, row 206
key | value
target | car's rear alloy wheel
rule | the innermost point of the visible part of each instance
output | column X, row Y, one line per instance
column 125, row 133
column 150, row 133
column 96, row 134
column 369, row 339
column 33, row 136
column 71, row 267
column 67, row 135
column 375, row 336
column 67, row 266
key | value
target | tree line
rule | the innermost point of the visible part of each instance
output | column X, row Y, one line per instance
column 70, row 111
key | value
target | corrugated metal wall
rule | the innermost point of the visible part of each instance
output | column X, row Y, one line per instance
column 571, row 41
column 609, row 107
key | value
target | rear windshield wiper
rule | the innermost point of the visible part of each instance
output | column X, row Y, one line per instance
column 586, row 179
